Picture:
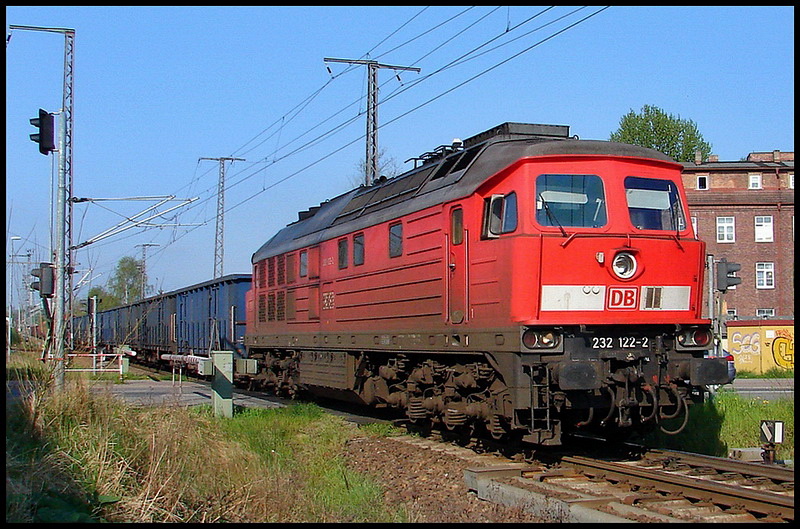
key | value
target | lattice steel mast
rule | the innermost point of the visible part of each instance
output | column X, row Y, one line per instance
column 219, row 244
column 372, row 111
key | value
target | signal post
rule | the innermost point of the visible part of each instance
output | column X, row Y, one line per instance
column 63, row 222
column 720, row 280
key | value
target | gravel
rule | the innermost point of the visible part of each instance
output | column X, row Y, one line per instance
column 426, row 480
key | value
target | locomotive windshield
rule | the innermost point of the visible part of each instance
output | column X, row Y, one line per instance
column 654, row 204
column 570, row 200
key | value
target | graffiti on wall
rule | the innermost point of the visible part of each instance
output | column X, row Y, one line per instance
column 749, row 344
column 783, row 349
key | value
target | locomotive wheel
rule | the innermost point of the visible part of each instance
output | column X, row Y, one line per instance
column 497, row 429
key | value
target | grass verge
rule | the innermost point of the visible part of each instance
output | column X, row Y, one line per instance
column 78, row 456
column 725, row 422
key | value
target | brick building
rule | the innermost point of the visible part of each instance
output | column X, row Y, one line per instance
column 744, row 210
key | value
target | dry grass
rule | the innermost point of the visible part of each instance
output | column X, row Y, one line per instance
column 77, row 456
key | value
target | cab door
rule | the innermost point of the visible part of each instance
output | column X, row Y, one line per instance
column 457, row 292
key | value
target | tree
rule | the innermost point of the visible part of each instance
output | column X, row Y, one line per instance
column 387, row 166
column 654, row 128
column 126, row 283
column 105, row 300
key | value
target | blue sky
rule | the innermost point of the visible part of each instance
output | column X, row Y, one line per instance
column 157, row 88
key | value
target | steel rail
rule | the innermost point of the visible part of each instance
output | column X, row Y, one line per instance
column 773, row 472
column 765, row 503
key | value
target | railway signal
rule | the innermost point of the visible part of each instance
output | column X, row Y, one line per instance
column 725, row 277
column 46, row 283
column 46, row 135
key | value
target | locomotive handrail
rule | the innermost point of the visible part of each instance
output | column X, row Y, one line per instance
column 575, row 235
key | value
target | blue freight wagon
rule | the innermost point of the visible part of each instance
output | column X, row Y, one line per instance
column 190, row 321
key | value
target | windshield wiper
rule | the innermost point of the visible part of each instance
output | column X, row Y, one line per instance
column 552, row 216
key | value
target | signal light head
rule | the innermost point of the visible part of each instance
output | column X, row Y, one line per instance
column 46, row 284
column 46, row 135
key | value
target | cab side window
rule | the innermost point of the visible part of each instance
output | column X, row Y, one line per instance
column 499, row 215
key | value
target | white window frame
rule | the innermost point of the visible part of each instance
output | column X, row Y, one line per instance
column 765, row 275
column 765, row 313
column 728, row 227
column 763, row 228
column 705, row 181
column 754, row 181
column 732, row 314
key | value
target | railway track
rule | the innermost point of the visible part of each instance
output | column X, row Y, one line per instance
column 657, row 486
column 635, row 484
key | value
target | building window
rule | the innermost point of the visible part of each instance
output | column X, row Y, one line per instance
column 763, row 229
column 754, row 181
column 765, row 313
column 732, row 314
column 702, row 182
column 726, row 229
column 791, row 180
column 765, row 275
column 395, row 240
column 694, row 226
column 358, row 249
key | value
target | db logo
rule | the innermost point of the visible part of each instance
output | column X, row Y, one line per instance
column 622, row 298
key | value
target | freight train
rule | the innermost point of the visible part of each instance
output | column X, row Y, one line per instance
column 520, row 284
column 174, row 327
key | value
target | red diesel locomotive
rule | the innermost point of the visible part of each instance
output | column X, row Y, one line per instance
column 521, row 284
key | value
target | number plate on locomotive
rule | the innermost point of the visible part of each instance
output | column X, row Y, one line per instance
column 620, row 342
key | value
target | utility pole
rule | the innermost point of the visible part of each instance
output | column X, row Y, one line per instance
column 372, row 110
column 145, row 246
column 220, row 233
column 10, row 323
column 63, row 224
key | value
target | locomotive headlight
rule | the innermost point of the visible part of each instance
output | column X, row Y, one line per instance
column 547, row 339
column 530, row 339
column 624, row 265
column 701, row 337
column 694, row 337
column 540, row 339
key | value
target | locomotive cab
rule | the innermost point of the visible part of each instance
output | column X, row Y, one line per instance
column 604, row 274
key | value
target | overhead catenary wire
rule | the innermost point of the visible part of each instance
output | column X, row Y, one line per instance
column 414, row 109
column 260, row 167
column 271, row 158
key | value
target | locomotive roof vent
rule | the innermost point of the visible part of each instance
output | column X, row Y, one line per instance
column 310, row 212
column 520, row 130
column 532, row 130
